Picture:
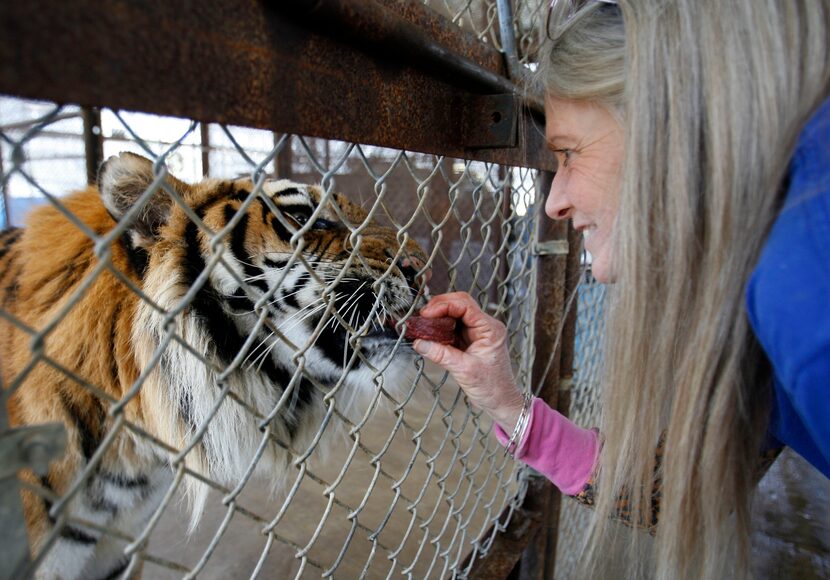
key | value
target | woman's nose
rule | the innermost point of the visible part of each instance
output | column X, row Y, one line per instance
column 557, row 206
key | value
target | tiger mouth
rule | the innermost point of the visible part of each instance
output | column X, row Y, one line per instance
column 391, row 331
column 386, row 334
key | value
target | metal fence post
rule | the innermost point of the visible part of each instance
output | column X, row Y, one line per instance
column 93, row 142
column 5, row 218
column 557, row 274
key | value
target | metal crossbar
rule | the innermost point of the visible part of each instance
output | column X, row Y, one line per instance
column 408, row 482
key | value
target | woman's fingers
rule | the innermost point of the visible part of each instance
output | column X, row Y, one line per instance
column 443, row 355
column 476, row 325
column 455, row 304
column 481, row 367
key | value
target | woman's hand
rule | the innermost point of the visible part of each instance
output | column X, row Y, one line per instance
column 481, row 363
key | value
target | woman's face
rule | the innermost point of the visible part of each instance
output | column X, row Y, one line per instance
column 588, row 143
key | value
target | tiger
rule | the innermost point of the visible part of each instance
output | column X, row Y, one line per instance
column 168, row 354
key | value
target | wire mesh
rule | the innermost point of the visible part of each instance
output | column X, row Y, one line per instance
column 480, row 17
column 384, row 470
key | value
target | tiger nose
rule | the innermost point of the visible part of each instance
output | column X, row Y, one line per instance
column 411, row 266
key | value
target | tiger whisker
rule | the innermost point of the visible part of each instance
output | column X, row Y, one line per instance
column 300, row 313
column 352, row 301
column 306, row 316
column 257, row 347
column 283, row 296
column 306, row 311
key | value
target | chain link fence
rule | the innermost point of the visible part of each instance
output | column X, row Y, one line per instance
column 384, row 470
column 480, row 17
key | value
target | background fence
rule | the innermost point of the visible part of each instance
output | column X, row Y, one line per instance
column 443, row 152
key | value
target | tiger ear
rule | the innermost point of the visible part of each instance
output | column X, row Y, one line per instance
column 124, row 178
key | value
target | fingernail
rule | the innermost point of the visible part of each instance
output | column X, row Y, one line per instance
column 421, row 346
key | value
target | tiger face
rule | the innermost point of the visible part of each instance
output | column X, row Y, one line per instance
column 268, row 285
column 235, row 322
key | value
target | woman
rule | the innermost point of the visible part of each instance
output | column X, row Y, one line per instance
column 693, row 139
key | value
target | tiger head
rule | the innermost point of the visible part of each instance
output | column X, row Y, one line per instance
column 242, row 290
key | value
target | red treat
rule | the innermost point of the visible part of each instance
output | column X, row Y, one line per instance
column 434, row 329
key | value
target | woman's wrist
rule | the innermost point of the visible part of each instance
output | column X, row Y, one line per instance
column 509, row 412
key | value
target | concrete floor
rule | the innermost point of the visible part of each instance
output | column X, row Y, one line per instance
column 791, row 519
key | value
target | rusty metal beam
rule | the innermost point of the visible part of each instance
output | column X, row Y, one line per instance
column 246, row 62
column 368, row 24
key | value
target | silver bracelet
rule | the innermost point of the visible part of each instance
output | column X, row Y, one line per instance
column 521, row 425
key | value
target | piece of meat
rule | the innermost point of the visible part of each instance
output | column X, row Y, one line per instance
column 434, row 329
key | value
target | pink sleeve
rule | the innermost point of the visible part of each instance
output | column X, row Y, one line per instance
column 557, row 448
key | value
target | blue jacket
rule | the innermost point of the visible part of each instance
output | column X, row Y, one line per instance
column 788, row 299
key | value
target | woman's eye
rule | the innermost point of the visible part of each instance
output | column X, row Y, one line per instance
column 563, row 156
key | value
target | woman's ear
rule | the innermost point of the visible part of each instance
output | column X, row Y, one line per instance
column 124, row 178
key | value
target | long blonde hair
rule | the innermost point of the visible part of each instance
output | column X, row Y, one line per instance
column 712, row 96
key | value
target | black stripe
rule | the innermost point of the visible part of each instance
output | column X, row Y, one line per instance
column 185, row 402
column 239, row 301
column 124, row 481
column 46, row 483
column 98, row 501
column 224, row 192
column 9, row 232
column 73, row 534
column 265, row 211
column 116, row 381
column 193, row 262
column 89, row 422
column 10, row 293
column 8, row 239
column 207, row 304
column 333, row 345
column 238, row 235
column 290, row 297
column 315, row 244
column 5, row 269
column 279, row 229
column 73, row 271
column 118, row 570
column 296, row 207
column 331, row 240
column 192, row 265
column 137, row 256
column 275, row 263
column 288, row 191
column 332, row 341
column 207, row 308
